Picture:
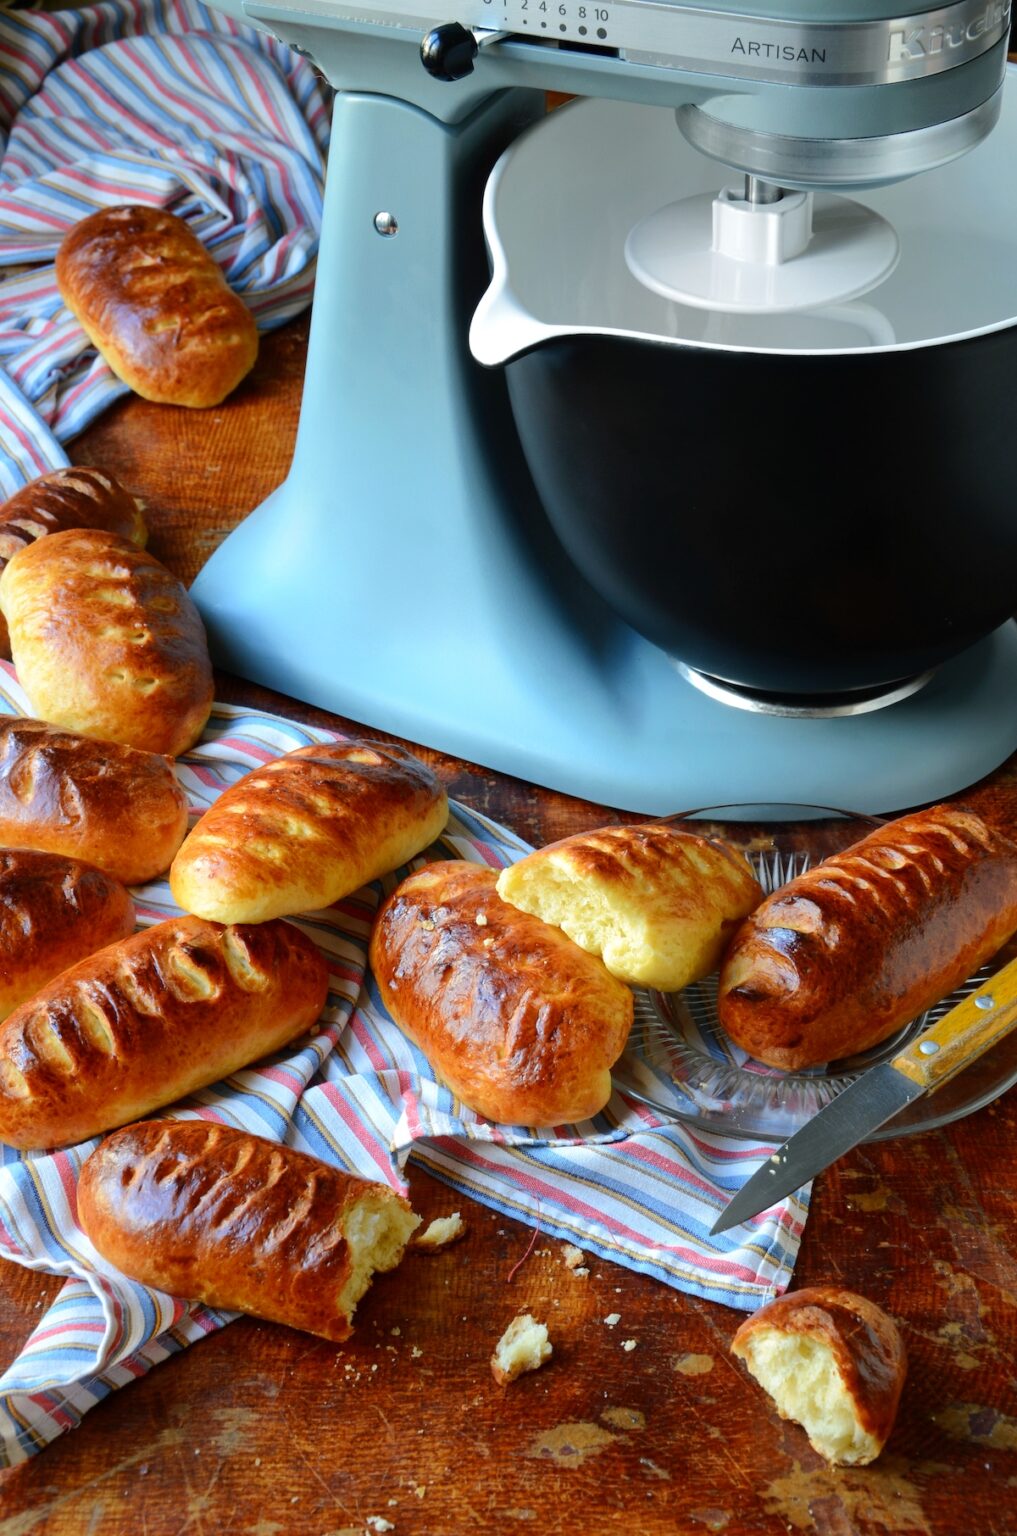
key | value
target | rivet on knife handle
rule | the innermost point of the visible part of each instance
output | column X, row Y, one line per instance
column 963, row 1034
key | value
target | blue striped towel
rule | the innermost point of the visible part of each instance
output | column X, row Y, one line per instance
column 162, row 102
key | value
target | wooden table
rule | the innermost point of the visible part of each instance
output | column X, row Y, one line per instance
column 261, row 1431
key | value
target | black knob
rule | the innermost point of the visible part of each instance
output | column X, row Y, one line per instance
column 448, row 52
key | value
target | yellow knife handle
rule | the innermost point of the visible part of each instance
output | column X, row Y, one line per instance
column 963, row 1034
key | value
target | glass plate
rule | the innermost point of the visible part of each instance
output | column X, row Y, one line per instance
column 680, row 1062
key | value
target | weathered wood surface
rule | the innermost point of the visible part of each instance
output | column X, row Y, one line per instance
column 261, row 1431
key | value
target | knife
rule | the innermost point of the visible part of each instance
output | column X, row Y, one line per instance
column 925, row 1064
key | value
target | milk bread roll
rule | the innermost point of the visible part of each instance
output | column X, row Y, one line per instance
column 157, row 306
column 66, row 498
column 53, row 912
column 854, row 948
column 655, row 903
column 112, row 806
column 833, row 1362
column 306, row 830
column 106, row 641
column 522, row 1024
column 149, row 1019
column 217, row 1215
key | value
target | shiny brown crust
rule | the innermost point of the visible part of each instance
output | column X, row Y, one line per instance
column 107, row 642
column 112, row 806
column 147, row 1020
column 306, row 830
column 217, row 1215
column 53, row 912
column 157, row 306
column 522, row 1024
column 865, row 1342
column 66, row 498
column 839, row 958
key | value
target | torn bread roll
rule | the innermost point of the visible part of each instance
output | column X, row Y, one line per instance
column 854, row 948
column 656, row 903
column 157, row 306
column 112, row 806
column 107, row 642
column 53, row 913
column 522, row 1024
column 149, row 1019
column 213, row 1214
column 66, row 498
column 306, row 830
column 833, row 1362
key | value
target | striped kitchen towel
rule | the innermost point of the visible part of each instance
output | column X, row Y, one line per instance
column 163, row 102
column 628, row 1186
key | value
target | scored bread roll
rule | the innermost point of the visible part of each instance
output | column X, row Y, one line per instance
column 306, row 830
column 156, row 305
column 522, row 1024
column 833, row 1362
column 66, row 498
column 214, row 1214
column 107, row 642
column 854, row 948
column 53, row 912
column 149, row 1019
column 656, row 903
column 112, row 806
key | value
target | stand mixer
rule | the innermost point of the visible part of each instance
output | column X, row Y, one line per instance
column 405, row 573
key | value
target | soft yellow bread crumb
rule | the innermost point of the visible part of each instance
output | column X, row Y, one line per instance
column 441, row 1233
column 524, row 1346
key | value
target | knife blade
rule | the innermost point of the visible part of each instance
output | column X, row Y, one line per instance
column 931, row 1059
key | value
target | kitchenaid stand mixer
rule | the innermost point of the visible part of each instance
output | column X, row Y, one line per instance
column 404, row 574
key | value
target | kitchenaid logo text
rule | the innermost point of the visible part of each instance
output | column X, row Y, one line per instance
column 790, row 53
column 926, row 42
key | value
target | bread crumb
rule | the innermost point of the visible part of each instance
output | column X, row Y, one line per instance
column 415, row 1353
column 420, row 1490
column 582, row 1270
column 441, row 1233
column 628, row 1345
column 395, row 1332
column 612, row 1319
column 481, row 920
column 524, row 1346
column 379, row 1523
column 571, row 1256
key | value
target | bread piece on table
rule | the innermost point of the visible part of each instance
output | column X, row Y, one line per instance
column 304, row 831
column 834, row 1363
column 53, row 912
column 214, row 1214
column 66, row 498
column 846, row 953
column 656, row 903
column 112, row 806
column 149, row 1019
column 155, row 303
column 524, row 1346
column 522, row 1024
column 107, row 642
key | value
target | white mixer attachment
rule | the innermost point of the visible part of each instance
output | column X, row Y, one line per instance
column 762, row 249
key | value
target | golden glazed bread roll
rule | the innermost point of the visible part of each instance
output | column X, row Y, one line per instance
column 112, row 806
column 217, row 1215
column 149, row 1019
column 67, row 498
column 53, row 912
column 657, row 904
column 522, row 1024
column 834, row 1363
column 157, row 306
column 854, row 948
column 306, row 830
column 106, row 641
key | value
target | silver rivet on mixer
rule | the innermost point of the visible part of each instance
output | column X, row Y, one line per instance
column 928, row 1047
column 985, row 1002
column 386, row 223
